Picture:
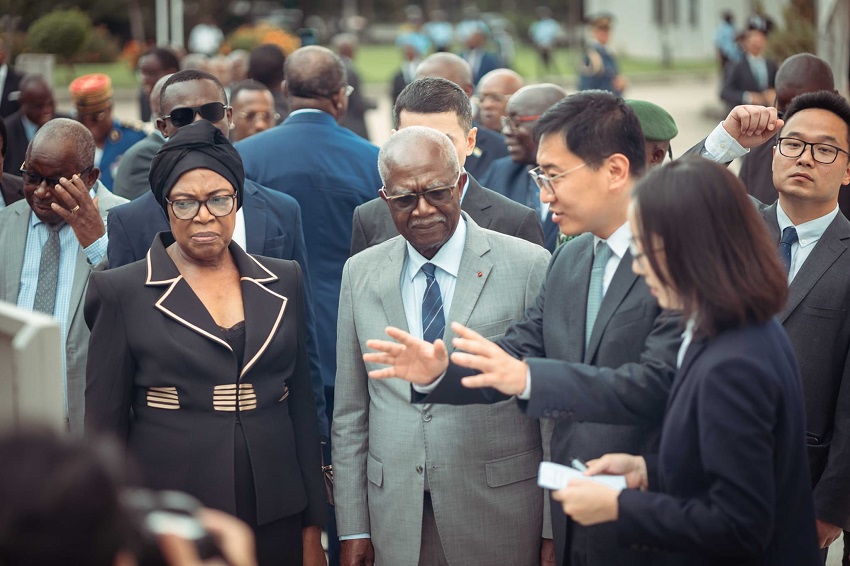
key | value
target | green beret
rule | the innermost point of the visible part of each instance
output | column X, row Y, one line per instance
column 657, row 124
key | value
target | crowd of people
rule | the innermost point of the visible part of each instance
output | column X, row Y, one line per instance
column 253, row 291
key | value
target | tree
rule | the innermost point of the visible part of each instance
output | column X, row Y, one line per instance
column 62, row 33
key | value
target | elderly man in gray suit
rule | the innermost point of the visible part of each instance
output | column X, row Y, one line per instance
column 433, row 485
column 52, row 240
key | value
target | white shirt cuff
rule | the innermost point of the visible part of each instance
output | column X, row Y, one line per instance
column 352, row 537
column 427, row 389
column 97, row 249
column 721, row 147
column 526, row 393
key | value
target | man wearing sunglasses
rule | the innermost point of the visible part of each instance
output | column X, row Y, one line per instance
column 509, row 175
column 52, row 240
column 450, row 477
column 269, row 223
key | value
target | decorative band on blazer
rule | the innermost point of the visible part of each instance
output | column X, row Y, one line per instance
column 226, row 397
column 163, row 398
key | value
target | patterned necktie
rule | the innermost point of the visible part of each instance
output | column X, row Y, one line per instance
column 789, row 236
column 48, row 272
column 595, row 291
column 433, row 321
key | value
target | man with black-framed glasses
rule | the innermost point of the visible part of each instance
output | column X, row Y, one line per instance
column 52, row 240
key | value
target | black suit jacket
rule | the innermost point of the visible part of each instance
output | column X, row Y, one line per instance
column 16, row 144
column 740, row 80
column 509, row 178
column 272, row 229
column 489, row 146
column 163, row 379
column 11, row 92
column 574, row 384
column 373, row 224
column 732, row 480
column 11, row 189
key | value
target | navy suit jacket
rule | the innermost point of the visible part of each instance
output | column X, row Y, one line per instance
column 489, row 146
column 486, row 63
column 330, row 171
column 272, row 229
column 732, row 476
column 741, row 80
column 509, row 178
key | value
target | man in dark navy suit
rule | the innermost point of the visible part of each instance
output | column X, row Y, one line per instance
column 509, row 176
column 270, row 224
column 489, row 145
column 329, row 170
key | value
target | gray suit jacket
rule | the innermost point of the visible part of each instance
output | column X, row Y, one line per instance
column 131, row 179
column 14, row 225
column 481, row 461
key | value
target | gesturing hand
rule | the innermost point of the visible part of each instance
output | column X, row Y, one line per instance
column 498, row 369
column 752, row 125
column 78, row 209
column 410, row 358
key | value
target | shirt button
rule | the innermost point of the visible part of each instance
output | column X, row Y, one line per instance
column 426, row 417
column 418, row 469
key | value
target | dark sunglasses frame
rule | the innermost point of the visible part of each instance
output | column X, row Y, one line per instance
column 211, row 111
column 432, row 196
column 31, row 178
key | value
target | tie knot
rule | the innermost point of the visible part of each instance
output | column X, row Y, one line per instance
column 428, row 270
column 54, row 227
column 603, row 253
column 789, row 235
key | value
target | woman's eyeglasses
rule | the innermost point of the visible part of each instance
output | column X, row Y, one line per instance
column 187, row 209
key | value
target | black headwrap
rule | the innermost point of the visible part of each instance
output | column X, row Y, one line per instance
column 199, row 145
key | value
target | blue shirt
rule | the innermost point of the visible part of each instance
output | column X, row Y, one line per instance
column 37, row 234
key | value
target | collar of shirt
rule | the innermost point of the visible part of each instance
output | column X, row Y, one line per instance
column 618, row 241
column 755, row 59
column 687, row 338
column 465, row 186
column 29, row 128
column 447, row 258
column 4, row 72
column 307, row 111
column 808, row 233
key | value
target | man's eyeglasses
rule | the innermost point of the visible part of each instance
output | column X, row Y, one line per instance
column 438, row 196
column 483, row 97
column 187, row 209
column 211, row 111
column 821, row 152
column 33, row 178
column 545, row 183
column 264, row 116
column 517, row 121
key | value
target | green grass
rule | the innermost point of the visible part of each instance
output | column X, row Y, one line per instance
column 378, row 63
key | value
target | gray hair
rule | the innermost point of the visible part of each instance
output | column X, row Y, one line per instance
column 64, row 130
column 412, row 139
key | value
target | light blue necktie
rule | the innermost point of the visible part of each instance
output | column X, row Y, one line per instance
column 433, row 320
column 789, row 236
column 595, row 291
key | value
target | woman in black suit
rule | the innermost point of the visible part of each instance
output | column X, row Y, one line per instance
column 197, row 358
column 730, row 484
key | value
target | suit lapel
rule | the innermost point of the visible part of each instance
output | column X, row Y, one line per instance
column 473, row 275
column 388, row 285
column 476, row 204
column 14, row 249
column 574, row 306
column 694, row 350
column 254, row 209
column 264, row 308
column 827, row 250
column 623, row 280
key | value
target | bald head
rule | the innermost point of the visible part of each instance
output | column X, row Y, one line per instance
column 799, row 74
column 71, row 137
column 493, row 91
column 536, row 99
column 413, row 141
column 314, row 72
column 447, row 66
column 524, row 109
column 505, row 80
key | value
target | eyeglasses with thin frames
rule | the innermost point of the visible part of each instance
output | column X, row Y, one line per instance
column 821, row 152
column 264, row 116
column 517, row 121
column 187, row 209
column 33, row 178
column 438, row 196
column 545, row 183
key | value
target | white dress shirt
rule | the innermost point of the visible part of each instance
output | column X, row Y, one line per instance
column 808, row 234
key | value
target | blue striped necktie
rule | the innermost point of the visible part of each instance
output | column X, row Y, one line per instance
column 433, row 320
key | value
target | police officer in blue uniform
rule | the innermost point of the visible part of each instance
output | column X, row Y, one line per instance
column 92, row 96
column 598, row 69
